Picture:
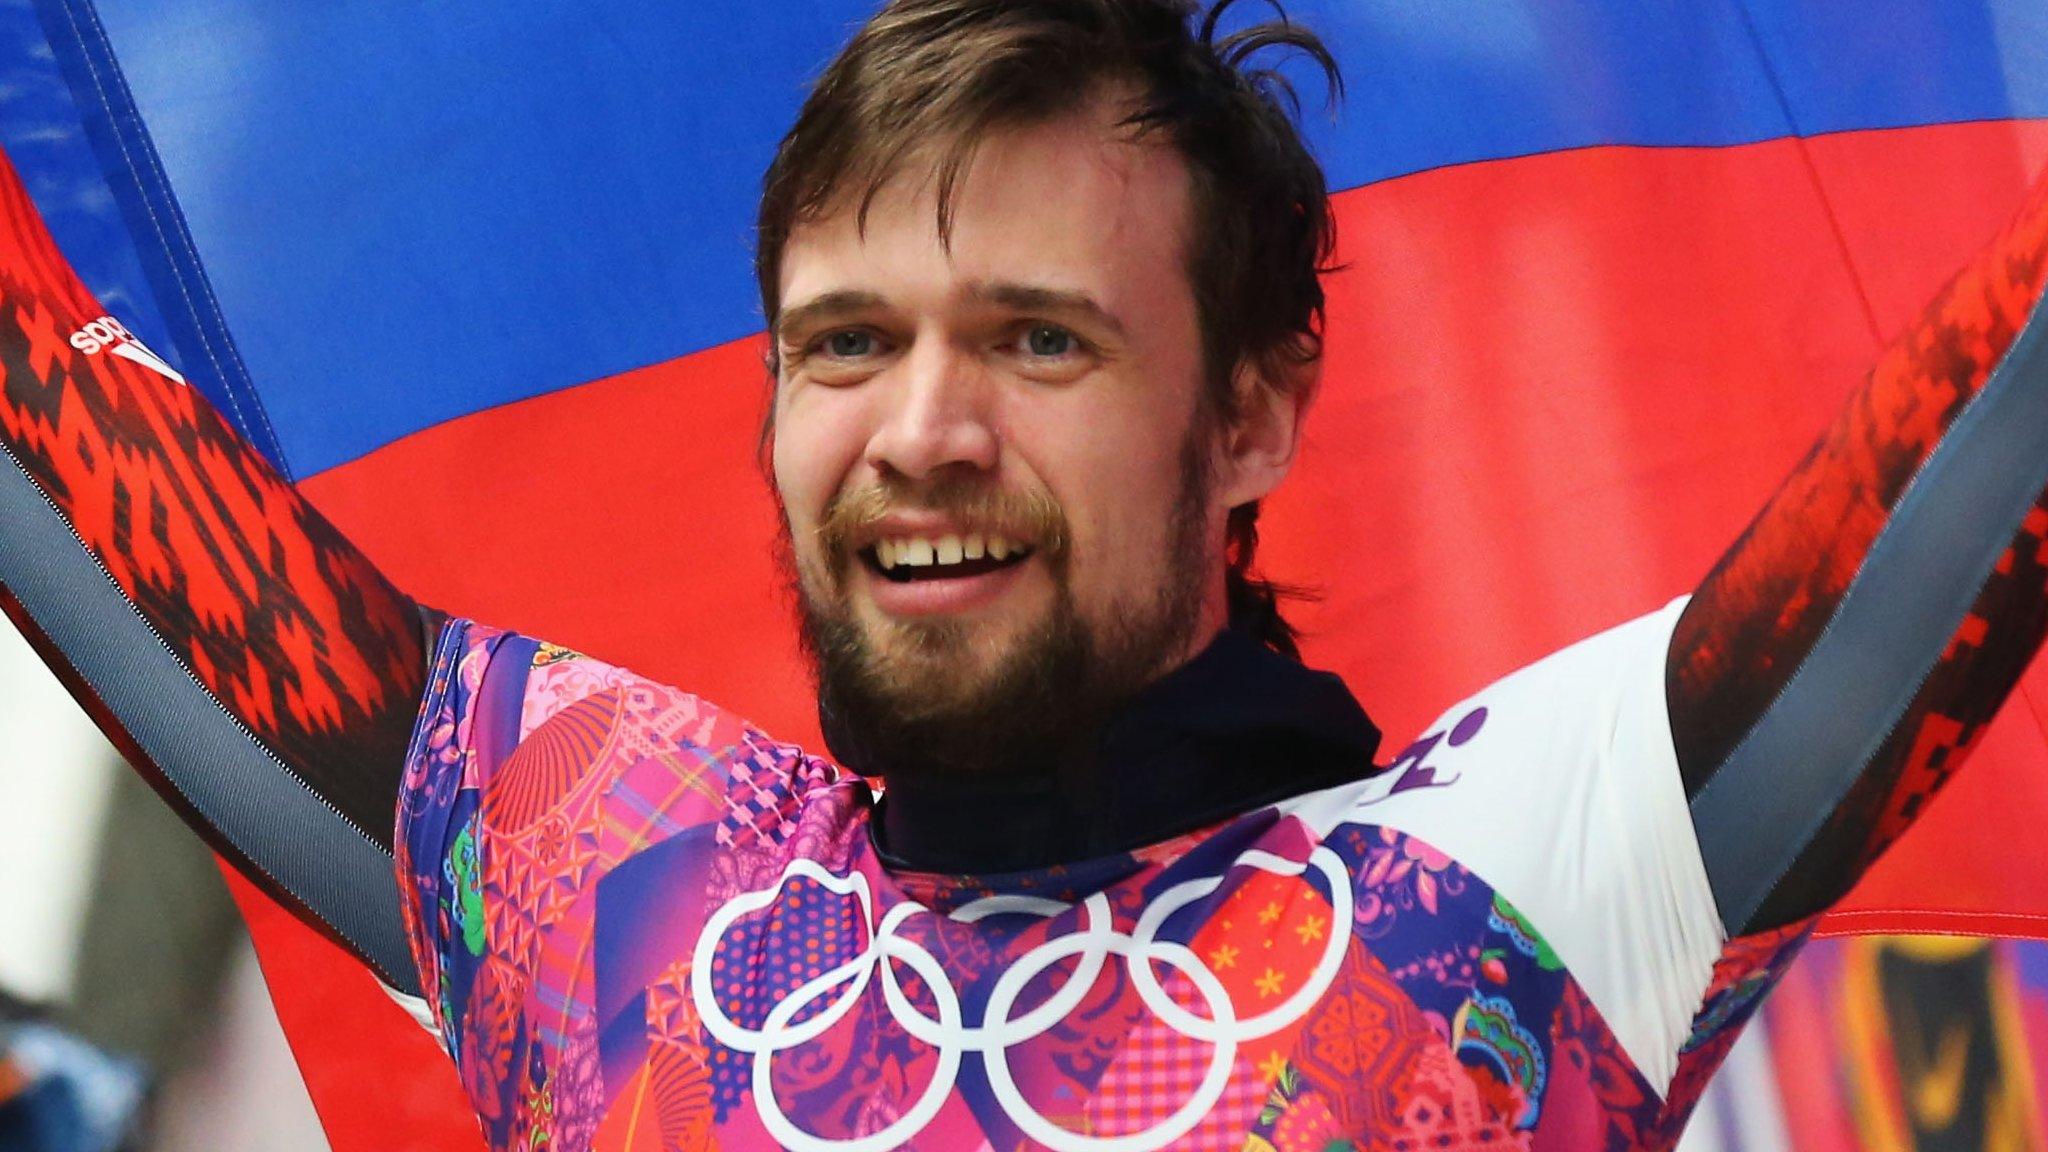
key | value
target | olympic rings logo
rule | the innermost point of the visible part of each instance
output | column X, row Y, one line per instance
column 841, row 988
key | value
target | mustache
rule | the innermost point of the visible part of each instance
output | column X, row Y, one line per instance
column 1033, row 517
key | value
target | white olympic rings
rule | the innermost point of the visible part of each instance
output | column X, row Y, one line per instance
column 950, row 1034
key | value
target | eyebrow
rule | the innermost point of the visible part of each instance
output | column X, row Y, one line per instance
column 824, row 308
column 1007, row 294
column 1034, row 298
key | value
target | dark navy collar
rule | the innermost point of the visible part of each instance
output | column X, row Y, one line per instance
column 1237, row 727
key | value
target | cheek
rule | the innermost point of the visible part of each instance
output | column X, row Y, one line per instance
column 1117, row 474
column 817, row 448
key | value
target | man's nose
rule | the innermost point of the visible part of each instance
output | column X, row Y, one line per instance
column 937, row 415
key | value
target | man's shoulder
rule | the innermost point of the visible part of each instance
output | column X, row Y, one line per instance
column 542, row 731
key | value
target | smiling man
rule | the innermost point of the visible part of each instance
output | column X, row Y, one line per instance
column 1000, row 460
column 1041, row 279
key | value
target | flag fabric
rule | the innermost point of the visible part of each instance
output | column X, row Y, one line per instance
column 479, row 278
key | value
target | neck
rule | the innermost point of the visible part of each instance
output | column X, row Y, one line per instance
column 1236, row 727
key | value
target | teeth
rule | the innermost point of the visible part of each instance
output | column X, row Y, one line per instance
column 924, row 552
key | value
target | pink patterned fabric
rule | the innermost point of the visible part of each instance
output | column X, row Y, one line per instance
column 643, row 924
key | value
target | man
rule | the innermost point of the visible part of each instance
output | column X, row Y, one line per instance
column 1040, row 279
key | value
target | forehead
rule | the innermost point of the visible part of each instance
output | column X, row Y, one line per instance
column 1074, row 203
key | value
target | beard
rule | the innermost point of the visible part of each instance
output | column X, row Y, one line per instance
column 922, row 699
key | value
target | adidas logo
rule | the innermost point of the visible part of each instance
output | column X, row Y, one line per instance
column 107, row 335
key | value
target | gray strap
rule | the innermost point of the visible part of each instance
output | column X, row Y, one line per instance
column 1927, row 567
column 224, row 774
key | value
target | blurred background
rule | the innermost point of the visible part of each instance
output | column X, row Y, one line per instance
column 132, row 1011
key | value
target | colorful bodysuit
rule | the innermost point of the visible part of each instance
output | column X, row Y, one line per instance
column 643, row 923
column 638, row 923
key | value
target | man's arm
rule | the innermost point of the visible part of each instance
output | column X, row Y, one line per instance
column 255, row 666
column 1844, row 656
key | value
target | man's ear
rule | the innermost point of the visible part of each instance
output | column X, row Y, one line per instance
column 1259, row 446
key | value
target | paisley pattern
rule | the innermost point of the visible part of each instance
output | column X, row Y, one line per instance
column 647, row 925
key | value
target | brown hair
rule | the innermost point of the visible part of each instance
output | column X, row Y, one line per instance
column 941, row 74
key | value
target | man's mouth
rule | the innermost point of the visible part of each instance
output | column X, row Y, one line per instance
column 908, row 559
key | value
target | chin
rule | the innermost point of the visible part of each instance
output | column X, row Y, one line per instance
column 929, row 659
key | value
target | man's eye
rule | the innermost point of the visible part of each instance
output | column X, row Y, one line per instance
column 850, row 344
column 1046, row 340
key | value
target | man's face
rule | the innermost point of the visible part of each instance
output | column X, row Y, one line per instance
column 997, row 481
